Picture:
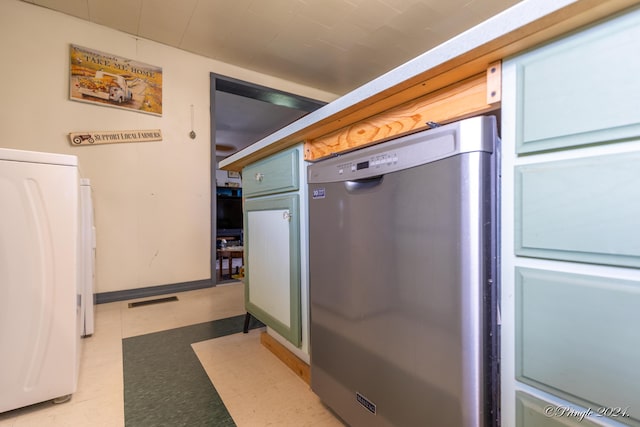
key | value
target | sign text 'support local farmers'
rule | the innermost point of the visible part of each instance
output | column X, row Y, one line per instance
column 109, row 137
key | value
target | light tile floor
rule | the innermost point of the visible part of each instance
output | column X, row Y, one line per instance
column 256, row 387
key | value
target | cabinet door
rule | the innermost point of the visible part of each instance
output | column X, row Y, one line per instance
column 272, row 278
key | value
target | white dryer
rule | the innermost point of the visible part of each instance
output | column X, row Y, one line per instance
column 39, row 277
column 87, row 257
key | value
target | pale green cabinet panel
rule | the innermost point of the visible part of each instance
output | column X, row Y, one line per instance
column 578, row 337
column 583, row 89
column 275, row 174
column 570, row 220
column 272, row 252
column 534, row 412
column 584, row 209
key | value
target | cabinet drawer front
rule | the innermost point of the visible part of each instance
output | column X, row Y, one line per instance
column 576, row 337
column 585, row 209
column 583, row 89
column 275, row 174
column 534, row 412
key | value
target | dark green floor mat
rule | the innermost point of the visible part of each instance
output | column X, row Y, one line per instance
column 164, row 382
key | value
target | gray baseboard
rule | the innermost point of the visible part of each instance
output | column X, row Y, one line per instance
column 127, row 294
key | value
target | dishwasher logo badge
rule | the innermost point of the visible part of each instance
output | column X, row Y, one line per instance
column 368, row 405
column 318, row 193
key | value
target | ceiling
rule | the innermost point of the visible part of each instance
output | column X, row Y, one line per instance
column 331, row 45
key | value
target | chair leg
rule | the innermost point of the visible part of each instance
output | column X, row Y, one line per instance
column 247, row 319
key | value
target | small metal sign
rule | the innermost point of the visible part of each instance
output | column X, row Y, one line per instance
column 318, row 193
column 111, row 137
column 366, row 403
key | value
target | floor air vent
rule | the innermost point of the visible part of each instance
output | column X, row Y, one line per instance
column 152, row 301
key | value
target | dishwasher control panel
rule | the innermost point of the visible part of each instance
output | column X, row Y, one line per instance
column 374, row 162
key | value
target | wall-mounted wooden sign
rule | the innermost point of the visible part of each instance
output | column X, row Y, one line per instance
column 111, row 137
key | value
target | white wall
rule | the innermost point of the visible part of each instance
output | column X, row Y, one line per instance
column 152, row 199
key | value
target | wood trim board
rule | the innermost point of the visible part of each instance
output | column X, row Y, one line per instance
column 460, row 100
column 297, row 365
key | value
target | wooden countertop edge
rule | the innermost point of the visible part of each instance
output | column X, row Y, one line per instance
column 495, row 39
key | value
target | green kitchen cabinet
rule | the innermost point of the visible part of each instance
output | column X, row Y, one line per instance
column 273, row 253
column 570, row 255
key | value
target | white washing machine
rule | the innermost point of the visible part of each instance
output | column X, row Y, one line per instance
column 40, row 293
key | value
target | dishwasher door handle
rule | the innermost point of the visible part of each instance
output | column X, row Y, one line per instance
column 363, row 184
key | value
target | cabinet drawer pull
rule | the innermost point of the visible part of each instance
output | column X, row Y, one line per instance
column 286, row 215
column 259, row 176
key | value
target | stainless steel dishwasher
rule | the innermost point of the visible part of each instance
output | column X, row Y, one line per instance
column 403, row 292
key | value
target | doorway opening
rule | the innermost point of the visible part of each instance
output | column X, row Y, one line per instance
column 242, row 113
